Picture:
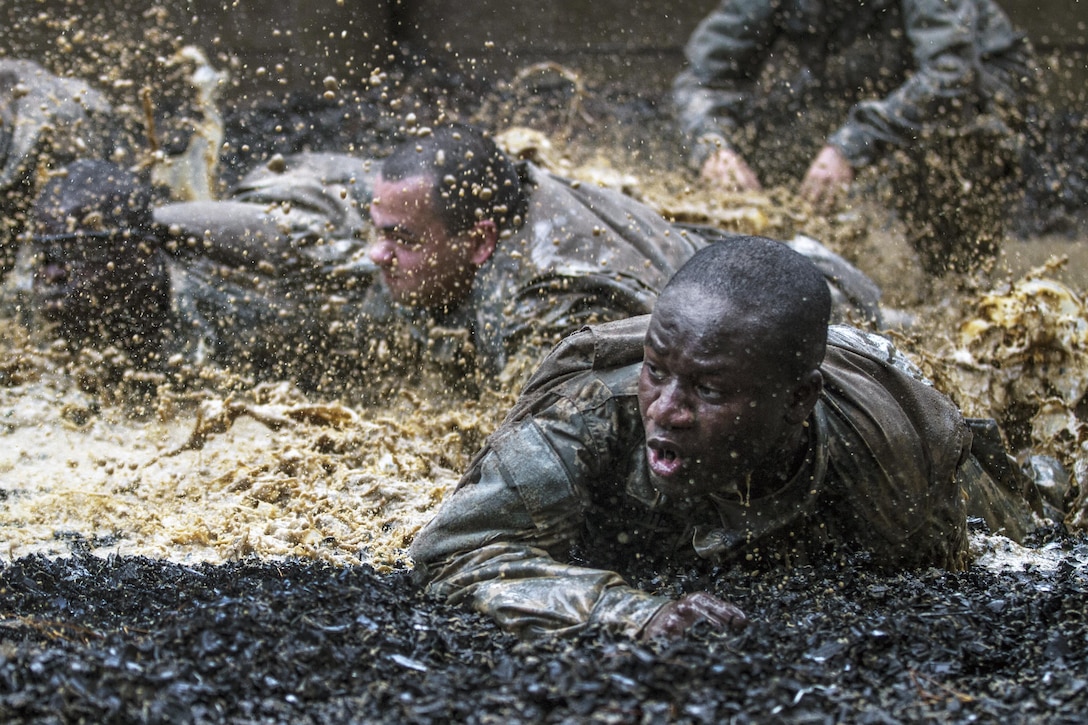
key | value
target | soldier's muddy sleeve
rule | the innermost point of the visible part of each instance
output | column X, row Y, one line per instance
column 494, row 544
column 944, row 41
column 725, row 54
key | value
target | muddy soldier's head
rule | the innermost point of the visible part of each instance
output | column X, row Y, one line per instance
column 731, row 370
column 95, row 270
column 441, row 205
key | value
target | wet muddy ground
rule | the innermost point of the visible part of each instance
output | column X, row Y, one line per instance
column 262, row 577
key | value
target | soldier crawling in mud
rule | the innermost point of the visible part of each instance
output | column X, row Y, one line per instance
column 507, row 257
column 515, row 258
column 485, row 264
column 732, row 424
column 277, row 282
column 261, row 289
column 938, row 89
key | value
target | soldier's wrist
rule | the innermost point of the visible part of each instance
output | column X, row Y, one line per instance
column 627, row 610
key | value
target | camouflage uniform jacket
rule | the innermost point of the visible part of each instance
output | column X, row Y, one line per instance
column 901, row 63
column 584, row 254
column 45, row 122
column 41, row 111
column 278, row 273
column 562, row 489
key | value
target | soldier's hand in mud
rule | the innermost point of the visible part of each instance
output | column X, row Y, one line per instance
column 725, row 169
column 677, row 617
column 828, row 178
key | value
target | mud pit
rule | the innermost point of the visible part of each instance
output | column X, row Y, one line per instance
column 219, row 552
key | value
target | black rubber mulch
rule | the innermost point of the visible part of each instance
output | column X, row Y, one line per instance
column 87, row 639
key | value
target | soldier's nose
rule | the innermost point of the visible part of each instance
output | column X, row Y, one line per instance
column 382, row 253
column 669, row 409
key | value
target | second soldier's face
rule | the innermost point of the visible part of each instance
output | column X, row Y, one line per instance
column 422, row 264
column 714, row 412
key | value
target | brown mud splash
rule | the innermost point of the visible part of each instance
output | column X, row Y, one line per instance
column 215, row 473
column 216, row 470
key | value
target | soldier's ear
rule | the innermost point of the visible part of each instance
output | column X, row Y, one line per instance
column 805, row 396
column 485, row 237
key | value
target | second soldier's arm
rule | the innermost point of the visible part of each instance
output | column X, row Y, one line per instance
column 725, row 55
column 946, row 58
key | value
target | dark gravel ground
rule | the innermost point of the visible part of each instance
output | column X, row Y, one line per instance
column 86, row 639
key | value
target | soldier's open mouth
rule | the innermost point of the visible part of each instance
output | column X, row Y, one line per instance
column 664, row 461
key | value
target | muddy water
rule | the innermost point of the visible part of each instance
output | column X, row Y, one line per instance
column 281, row 476
column 1021, row 255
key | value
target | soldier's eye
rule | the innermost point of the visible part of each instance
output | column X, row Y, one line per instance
column 709, row 393
column 400, row 238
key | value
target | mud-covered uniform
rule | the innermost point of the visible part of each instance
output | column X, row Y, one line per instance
column 561, row 490
column 45, row 122
column 265, row 267
column 274, row 282
column 586, row 254
column 276, row 277
column 936, row 80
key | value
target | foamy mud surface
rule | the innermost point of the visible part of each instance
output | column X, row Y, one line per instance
column 212, row 477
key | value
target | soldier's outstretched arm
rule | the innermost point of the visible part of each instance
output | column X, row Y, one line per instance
column 725, row 54
column 488, row 548
column 944, row 41
column 234, row 233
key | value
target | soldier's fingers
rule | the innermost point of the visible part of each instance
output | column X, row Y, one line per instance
column 729, row 615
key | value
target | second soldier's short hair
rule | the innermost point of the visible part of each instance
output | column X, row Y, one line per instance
column 473, row 178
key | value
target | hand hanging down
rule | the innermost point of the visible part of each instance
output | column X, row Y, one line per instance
column 727, row 170
column 825, row 181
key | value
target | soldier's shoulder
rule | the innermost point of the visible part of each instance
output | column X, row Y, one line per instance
column 601, row 347
column 596, row 363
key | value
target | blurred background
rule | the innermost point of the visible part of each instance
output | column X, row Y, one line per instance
column 295, row 44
